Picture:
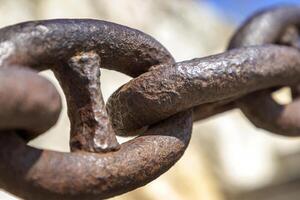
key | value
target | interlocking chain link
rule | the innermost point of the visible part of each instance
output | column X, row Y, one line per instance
column 221, row 82
column 75, row 50
column 158, row 104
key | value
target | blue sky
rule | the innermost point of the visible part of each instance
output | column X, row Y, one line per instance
column 238, row 10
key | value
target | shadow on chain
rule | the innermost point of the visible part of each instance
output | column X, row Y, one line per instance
column 222, row 82
column 98, row 167
column 156, row 104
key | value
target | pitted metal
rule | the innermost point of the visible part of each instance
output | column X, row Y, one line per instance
column 278, row 25
column 75, row 50
column 56, row 44
column 168, row 89
column 157, row 104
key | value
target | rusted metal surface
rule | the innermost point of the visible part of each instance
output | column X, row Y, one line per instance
column 278, row 25
column 157, row 104
column 56, row 44
column 24, row 94
column 40, row 174
column 169, row 89
column 75, row 50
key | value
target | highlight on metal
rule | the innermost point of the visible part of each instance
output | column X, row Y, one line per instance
column 157, row 106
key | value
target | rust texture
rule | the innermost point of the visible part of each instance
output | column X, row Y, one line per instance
column 98, row 166
column 63, row 46
column 39, row 174
column 221, row 82
column 278, row 25
column 158, row 104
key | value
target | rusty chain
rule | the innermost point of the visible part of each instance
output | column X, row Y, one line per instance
column 158, row 104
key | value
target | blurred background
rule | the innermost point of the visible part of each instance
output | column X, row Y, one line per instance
column 228, row 158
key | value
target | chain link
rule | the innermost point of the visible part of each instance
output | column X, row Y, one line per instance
column 158, row 104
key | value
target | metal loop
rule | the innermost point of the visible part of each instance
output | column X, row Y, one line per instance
column 40, row 174
column 75, row 50
column 278, row 25
column 33, row 98
column 225, row 77
column 160, row 97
